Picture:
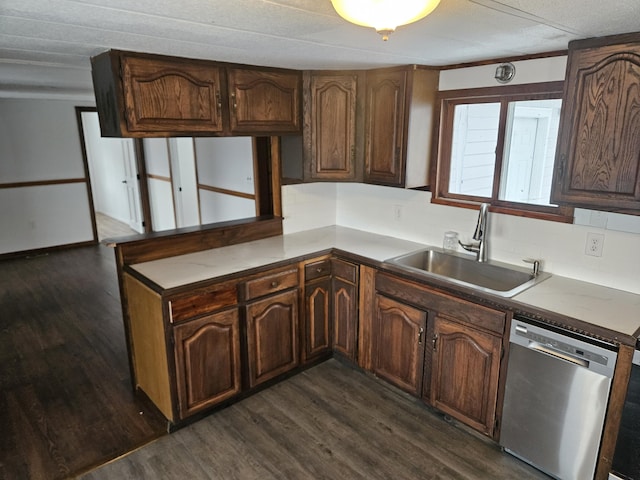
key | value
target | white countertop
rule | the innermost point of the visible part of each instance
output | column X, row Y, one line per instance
column 605, row 307
column 194, row 267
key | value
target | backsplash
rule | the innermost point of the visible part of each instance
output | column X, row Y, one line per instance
column 409, row 214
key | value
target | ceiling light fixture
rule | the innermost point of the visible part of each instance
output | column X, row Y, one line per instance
column 384, row 15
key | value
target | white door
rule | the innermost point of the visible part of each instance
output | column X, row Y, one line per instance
column 185, row 182
column 131, row 181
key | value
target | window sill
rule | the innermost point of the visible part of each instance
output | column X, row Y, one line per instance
column 563, row 214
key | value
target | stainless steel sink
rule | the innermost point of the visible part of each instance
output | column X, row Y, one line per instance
column 493, row 277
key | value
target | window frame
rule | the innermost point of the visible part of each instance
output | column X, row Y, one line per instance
column 446, row 103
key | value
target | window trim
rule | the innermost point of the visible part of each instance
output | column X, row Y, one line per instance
column 443, row 132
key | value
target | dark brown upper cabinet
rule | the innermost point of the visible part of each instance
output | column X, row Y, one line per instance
column 598, row 155
column 398, row 125
column 141, row 95
column 330, row 114
column 264, row 101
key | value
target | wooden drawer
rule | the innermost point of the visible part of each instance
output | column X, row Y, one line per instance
column 271, row 283
column 344, row 270
column 202, row 301
column 317, row 269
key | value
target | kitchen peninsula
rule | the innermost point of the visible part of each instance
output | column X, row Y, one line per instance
column 210, row 327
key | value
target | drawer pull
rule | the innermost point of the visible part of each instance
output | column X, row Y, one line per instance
column 319, row 269
column 274, row 284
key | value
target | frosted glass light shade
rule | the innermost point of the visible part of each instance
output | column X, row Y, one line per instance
column 384, row 15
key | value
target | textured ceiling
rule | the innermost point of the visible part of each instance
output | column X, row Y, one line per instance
column 45, row 45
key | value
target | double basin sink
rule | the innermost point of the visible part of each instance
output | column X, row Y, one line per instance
column 491, row 277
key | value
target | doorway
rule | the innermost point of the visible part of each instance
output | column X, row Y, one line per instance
column 113, row 175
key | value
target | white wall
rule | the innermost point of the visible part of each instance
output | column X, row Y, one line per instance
column 310, row 205
column 373, row 208
column 537, row 70
column 218, row 207
column 226, row 163
column 39, row 141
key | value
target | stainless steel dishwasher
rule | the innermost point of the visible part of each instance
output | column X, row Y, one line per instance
column 556, row 396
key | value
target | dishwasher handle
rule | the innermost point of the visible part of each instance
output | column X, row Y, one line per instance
column 554, row 353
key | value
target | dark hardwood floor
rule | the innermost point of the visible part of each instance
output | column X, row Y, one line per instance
column 329, row 422
column 66, row 403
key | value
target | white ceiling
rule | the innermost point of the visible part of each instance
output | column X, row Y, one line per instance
column 45, row 45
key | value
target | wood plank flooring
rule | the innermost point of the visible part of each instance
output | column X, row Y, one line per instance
column 109, row 227
column 66, row 402
column 329, row 422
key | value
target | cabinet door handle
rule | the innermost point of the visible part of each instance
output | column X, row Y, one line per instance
column 353, row 153
column 420, row 333
column 235, row 103
column 435, row 342
column 219, row 103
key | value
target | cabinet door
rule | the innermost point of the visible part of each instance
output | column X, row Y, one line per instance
column 272, row 336
column 465, row 371
column 264, row 101
column 385, row 128
column 207, row 354
column 399, row 348
column 597, row 162
column 332, row 120
column 345, row 318
column 317, row 321
column 171, row 97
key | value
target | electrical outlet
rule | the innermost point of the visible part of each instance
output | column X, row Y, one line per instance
column 594, row 245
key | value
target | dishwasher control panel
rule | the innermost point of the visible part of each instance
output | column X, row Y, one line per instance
column 589, row 355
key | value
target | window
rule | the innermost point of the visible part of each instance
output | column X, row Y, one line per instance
column 498, row 145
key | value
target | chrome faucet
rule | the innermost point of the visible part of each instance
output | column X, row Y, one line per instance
column 480, row 235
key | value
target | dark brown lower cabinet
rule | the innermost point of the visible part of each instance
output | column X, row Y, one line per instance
column 345, row 284
column 462, row 358
column 272, row 336
column 331, row 308
column 208, row 365
column 345, row 318
column 399, row 332
column 465, row 373
column 317, row 317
